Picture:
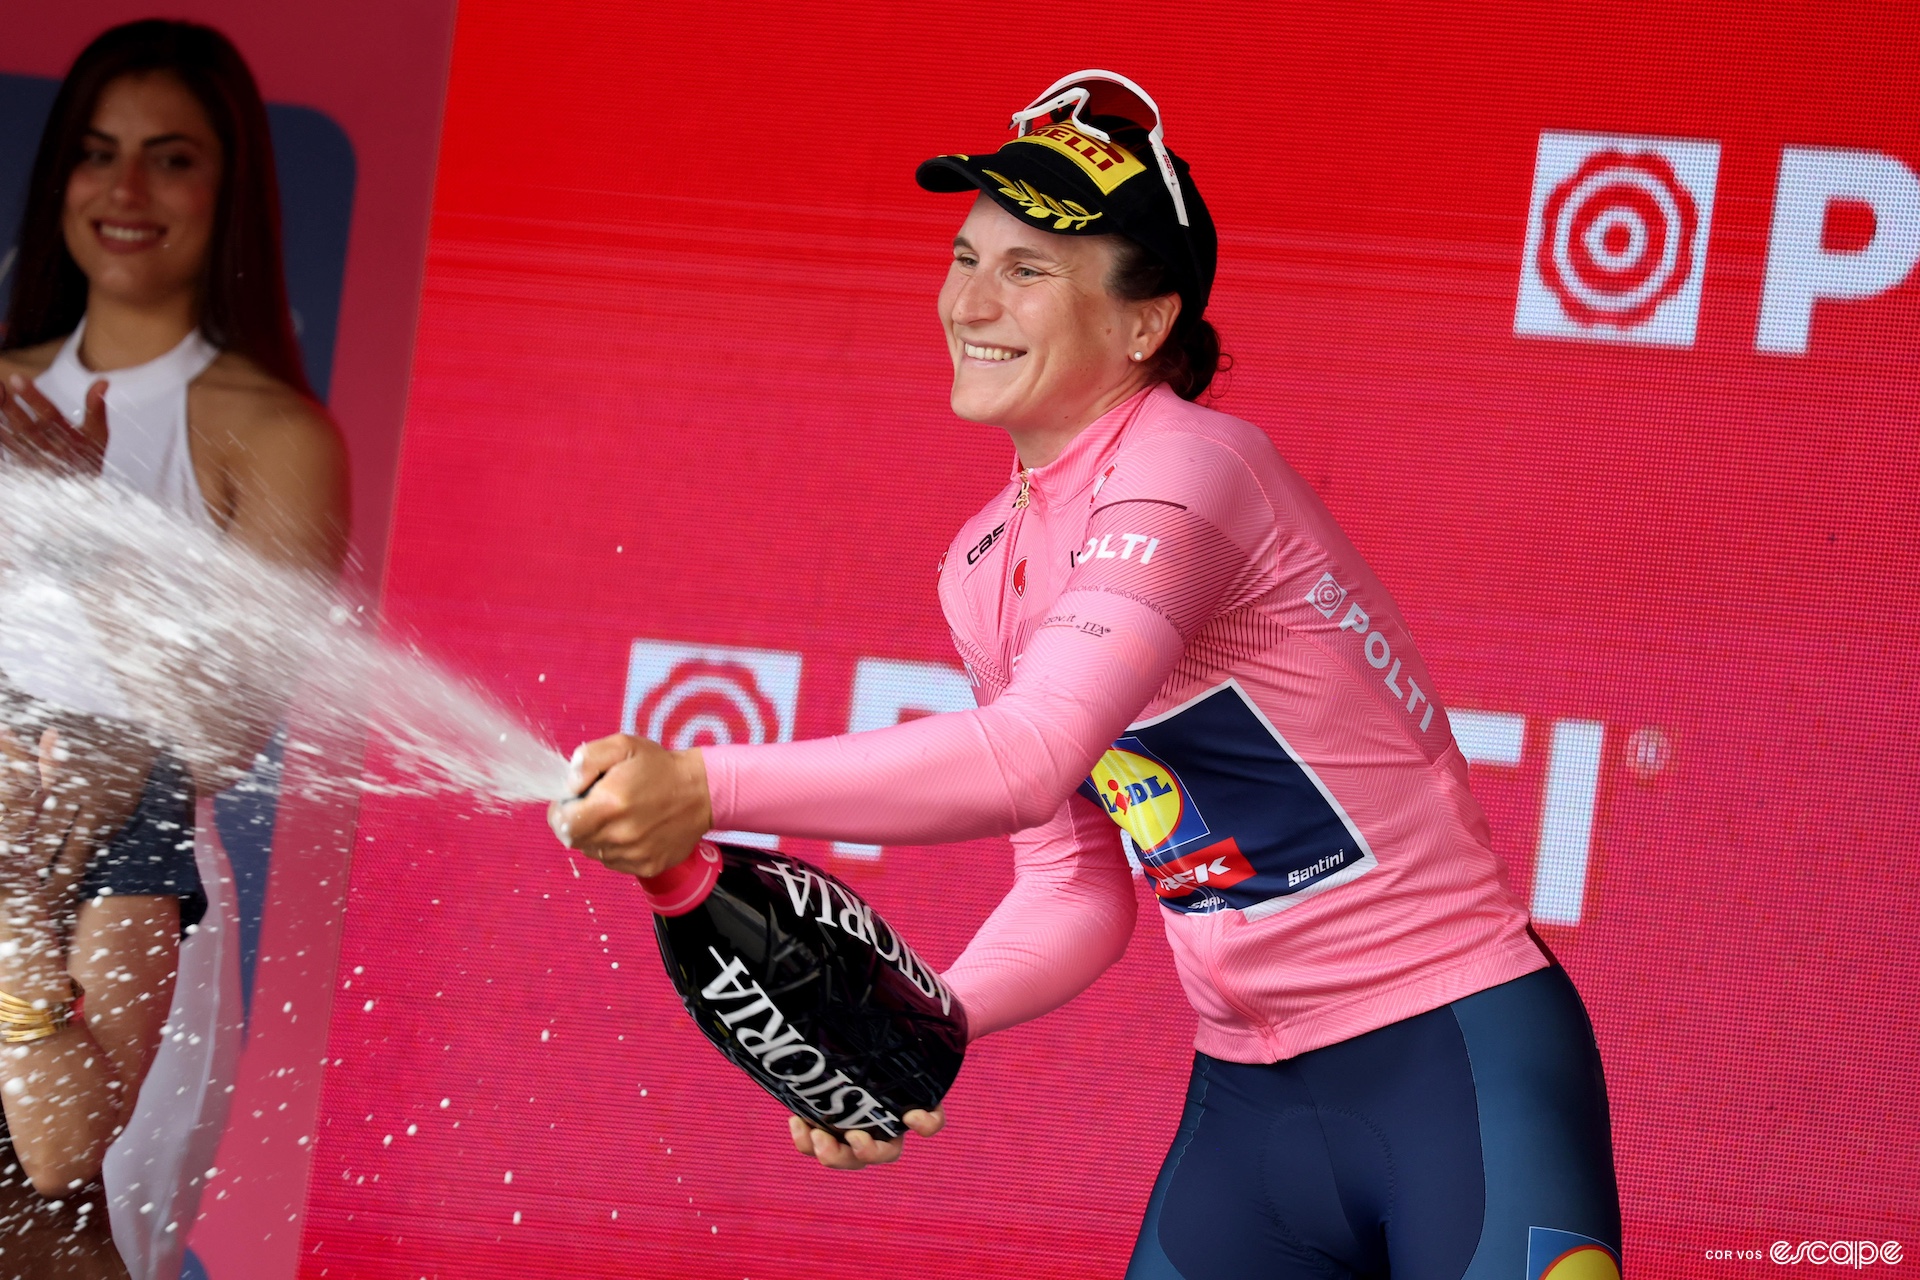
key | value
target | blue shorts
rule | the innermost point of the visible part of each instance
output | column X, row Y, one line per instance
column 1470, row 1142
column 153, row 852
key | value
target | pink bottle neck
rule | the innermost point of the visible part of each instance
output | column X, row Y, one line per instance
column 681, row 888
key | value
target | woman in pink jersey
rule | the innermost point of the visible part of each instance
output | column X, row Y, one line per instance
column 1182, row 663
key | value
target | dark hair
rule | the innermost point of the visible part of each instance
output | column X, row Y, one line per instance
column 243, row 293
column 1191, row 355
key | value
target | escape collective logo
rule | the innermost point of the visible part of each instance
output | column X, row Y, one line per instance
column 1821, row 1253
column 1837, row 1253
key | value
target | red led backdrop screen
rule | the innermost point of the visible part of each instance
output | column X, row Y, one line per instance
column 1595, row 327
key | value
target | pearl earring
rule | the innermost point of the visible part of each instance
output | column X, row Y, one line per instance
column 1138, row 356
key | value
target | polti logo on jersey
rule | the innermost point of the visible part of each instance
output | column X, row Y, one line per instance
column 1327, row 595
column 1105, row 548
column 1222, row 813
column 1617, row 238
column 1567, row 1255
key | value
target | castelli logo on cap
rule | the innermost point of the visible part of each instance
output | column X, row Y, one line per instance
column 1617, row 238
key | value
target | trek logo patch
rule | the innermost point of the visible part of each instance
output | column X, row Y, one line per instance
column 1108, row 164
column 1218, row 866
column 1221, row 812
column 1566, row 1255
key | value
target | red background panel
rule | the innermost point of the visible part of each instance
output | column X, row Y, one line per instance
column 679, row 378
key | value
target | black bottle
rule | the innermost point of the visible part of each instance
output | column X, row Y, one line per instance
column 796, row 980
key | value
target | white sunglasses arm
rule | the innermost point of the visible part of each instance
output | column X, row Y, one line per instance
column 1069, row 91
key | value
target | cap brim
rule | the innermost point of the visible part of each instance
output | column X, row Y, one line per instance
column 948, row 174
column 1022, row 165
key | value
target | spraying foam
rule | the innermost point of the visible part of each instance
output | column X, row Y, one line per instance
column 115, row 611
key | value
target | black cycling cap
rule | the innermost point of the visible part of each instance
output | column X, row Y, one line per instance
column 1108, row 172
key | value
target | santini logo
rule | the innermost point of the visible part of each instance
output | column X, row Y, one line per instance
column 1305, row 874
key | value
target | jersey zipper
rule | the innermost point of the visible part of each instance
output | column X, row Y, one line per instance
column 1011, row 627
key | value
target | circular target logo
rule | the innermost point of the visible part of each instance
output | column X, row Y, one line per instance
column 704, row 703
column 1327, row 595
column 1617, row 238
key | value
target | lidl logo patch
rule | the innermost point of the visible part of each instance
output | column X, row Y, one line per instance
column 1145, row 797
column 1566, row 1255
column 1222, row 813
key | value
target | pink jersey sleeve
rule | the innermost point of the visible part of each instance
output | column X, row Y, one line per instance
column 1066, row 919
column 985, row 772
column 1181, row 528
column 1171, row 545
column 1168, row 548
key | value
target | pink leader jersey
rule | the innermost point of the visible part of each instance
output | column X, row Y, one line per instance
column 1172, row 641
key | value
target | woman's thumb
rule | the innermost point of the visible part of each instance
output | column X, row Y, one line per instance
column 94, row 423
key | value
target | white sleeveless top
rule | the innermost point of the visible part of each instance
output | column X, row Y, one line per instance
column 174, row 1131
column 48, row 647
column 147, row 440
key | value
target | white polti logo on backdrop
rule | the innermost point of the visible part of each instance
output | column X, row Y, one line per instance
column 1617, row 238
column 688, row 695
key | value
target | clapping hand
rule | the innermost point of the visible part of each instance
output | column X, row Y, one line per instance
column 35, row 434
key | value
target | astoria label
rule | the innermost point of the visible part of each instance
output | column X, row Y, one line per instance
column 783, row 1054
column 840, row 910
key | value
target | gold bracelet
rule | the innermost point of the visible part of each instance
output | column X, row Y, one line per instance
column 23, row 1022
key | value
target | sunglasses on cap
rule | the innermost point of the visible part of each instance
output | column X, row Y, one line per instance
column 1106, row 93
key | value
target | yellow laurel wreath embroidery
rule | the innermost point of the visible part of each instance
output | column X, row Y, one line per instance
column 1066, row 214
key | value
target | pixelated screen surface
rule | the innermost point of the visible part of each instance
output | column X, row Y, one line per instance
column 1592, row 326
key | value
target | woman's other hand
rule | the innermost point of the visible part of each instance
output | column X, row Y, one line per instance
column 644, row 807
column 35, row 434
column 860, row 1149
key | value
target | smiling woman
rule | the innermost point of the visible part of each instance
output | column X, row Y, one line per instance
column 1180, row 662
column 148, row 343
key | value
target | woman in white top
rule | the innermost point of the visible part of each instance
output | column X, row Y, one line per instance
column 148, row 341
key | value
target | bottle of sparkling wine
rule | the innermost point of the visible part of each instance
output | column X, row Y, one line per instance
column 797, row 981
